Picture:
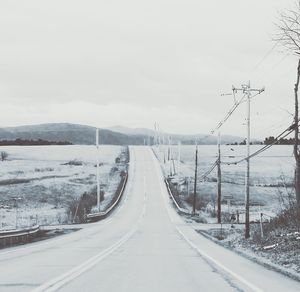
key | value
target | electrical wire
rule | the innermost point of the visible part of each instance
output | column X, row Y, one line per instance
column 282, row 135
column 230, row 112
column 272, row 49
column 213, row 166
column 265, row 56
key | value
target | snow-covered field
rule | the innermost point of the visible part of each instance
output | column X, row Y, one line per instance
column 37, row 182
column 269, row 172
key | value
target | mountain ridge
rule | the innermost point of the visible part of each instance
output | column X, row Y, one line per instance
column 117, row 135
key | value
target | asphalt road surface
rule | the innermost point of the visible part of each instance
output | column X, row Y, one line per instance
column 143, row 246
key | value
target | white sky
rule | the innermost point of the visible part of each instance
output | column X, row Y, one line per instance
column 134, row 62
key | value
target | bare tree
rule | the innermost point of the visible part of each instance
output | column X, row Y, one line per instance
column 3, row 155
column 289, row 36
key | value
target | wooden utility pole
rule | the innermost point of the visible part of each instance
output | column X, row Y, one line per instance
column 98, row 173
column 296, row 150
column 174, row 168
column 169, row 142
column 247, row 195
column 247, row 90
column 178, row 157
column 219, row 180
column 195, row 182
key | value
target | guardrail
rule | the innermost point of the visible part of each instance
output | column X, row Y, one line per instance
column 101, row 215
column 10, row 237
column 181, row 210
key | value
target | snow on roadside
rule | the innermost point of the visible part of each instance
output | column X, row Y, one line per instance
column 37, row 182
column 279, row 252
column 268, row 174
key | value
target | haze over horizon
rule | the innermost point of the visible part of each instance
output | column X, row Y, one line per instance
column 113, row 63
column 129, row 130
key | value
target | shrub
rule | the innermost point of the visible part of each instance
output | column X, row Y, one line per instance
column 78, row 208
column 200, row 201
column 113, row 170
column 43, row 169
column 200, row 219
column 74, row 162
column 3, row 155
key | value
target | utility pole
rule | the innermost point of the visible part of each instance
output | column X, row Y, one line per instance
column 158, row 135
column 219, row 180
column 172, row 158
column 247, row 90
column 169, row 155
column 296, row 144
column 169, row 142
column 98, row 174
column 179, row 157
column 171, row 149
column 155, row 134
column 195, row 182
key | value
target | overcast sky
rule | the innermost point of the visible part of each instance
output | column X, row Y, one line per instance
column 133, row 62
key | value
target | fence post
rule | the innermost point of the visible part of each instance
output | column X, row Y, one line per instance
column 261, row 226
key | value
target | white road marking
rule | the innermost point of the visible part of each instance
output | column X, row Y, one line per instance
column 58, row 282
column 88, row 226
column 201, row 252
column 217, row 263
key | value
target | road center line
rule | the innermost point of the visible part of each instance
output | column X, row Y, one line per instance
column 88, row 226
column 58, row 282
column 65, row 278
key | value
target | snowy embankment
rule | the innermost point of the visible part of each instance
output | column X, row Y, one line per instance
column 271, row 178
column 278, row 251
column 38, row 183
column 276, row 243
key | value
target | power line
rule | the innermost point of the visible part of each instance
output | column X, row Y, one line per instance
column 209, row 171
column 282, row 135
column 229, row 113
column 272, row 49
column 266, row 56
column 275, row 126
column 221, row 123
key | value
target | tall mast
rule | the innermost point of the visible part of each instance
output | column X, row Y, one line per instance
column 98, row 173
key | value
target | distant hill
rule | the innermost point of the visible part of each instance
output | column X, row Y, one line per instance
column 118, row 135
column 73, row 133
column 185, row 139
column 132, row 131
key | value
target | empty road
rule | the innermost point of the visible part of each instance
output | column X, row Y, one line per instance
column 143, row 246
